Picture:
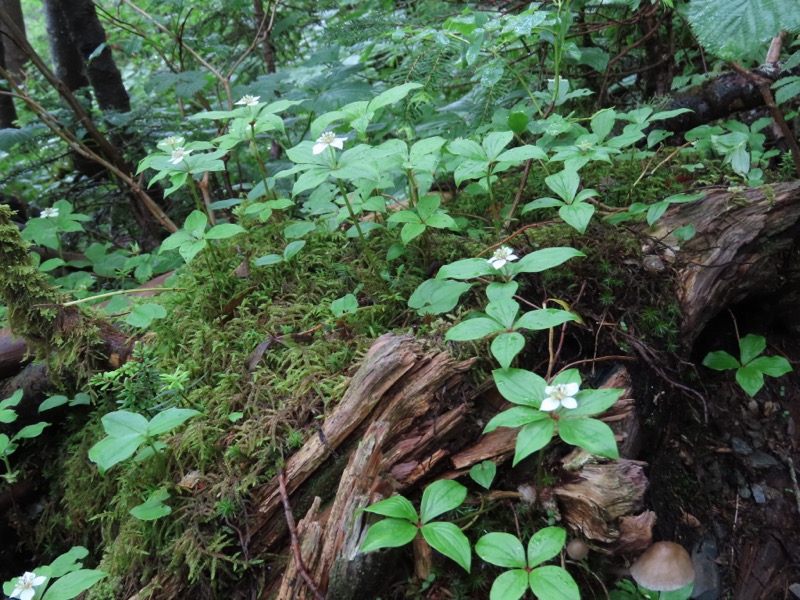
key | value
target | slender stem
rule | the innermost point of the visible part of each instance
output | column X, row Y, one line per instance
column 198, row 203
column 261, row 166
column 354, row 219
column 119, row 292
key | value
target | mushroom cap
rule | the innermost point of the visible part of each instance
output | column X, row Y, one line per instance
column 577, row 550
column 664, row 567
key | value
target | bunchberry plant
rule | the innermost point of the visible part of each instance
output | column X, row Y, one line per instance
column 63, row 579
column 751, row 366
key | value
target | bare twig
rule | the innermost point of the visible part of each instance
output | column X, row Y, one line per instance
column 287, row 509
column 793, row 475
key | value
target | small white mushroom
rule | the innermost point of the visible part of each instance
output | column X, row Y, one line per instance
column 664, row 567
column 577, row 550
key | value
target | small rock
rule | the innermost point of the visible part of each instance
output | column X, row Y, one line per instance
column 762, row 460
column 758, row 494
column 706, row 568
column 652, row 264
column 740, row 446
column 795, row 589
column 745, row 493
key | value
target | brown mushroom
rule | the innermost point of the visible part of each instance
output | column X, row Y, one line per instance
column 664, row 567
column 577, row 550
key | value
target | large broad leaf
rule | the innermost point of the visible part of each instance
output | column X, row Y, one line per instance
column 515, row 417
column 436, row 296
column 169, row 419
column 473, row 329
column 577, row 215
column 483, row 473
column 397, row 507
column 541, row 260
column 590, row 434
column 389, row 533
column 506, row 346
column 467, row 269
column 751, row 346
column 545, row 544
column 533, row 437
column 439, row 497
column 553, row 582
column 123, row 423
column 733, row 29
column 774, row 366
column 751, row 379
column 501, row 549
column 720, row 361
column 448, row 539
column 111, row 450
column 520, row 386
column 544, row 318
column 593, row 402
column 72, row 584
column 153, row 508
column 510, row 585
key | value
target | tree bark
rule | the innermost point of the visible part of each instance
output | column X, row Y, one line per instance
column 15, row 57
column 88, row 36
column 8, row 113
column 67, row 62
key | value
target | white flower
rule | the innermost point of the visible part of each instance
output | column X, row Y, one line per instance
column 561, row 394
column 49, row 212
column 248, row 100
column 25, row 584
column 178, row 155
column 502, row 256
column 174, row 140
column 328, row 139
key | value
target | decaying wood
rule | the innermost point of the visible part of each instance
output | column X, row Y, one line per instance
column 600, row 496
column 397, row 384
column 12, row 353
column 745, row 246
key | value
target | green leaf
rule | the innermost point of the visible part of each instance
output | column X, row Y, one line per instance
column 122, row 423
column 142, row 315
column 473, row 329
column 30, row 431
column 391, row 96
column 533, row 437
column 517, row 155
column 750, row 379
column 112, row 450
column 593, row 402
column 176, row 240
column 494, row 143
column 448, row 539
column 51, row 402
column 440, row 497
column 483, row 474
column 436, row 296
column 292, row 248
column 751, row 346
column 504, row 311
column 345, row 305
column 68, row 562
column 541, row 203
column 577, row 215
column 72, row 584
column 545, row 544
column 517, row 122
column 541, row 260
column 511, row 585
column 468, row 268
column 8, row 415
column 169, row 419
column 190, row 249
column 590, row 434
column 774, row 366
column 720, row 361
column 268, row 259
column 564, row 184
column 153, row 508
column 553, row 582
column 428, row 205
column 223, row 231
column 501, row 549
column 196, row 223
column 520, row 386
column 5, row 442
column 298, row 230
column 515, row 417
column 410, row 231
column 734, row 28
column 468, row 149
column 506, row 346
column 397, row 507
column 13, row 400
column 389, row 533
column 544, row 318
column 603, row 122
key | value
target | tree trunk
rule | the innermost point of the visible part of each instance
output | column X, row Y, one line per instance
column 8, row 114
column 15, row 57
column 67, row 62
column 88, row 36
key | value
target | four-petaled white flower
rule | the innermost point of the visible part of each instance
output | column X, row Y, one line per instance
column 178, row 155
column 326, row 140
column 174, row 140
column 561, row 394
column 502, row 256
column 248, row 100
column 25, row 584
column 49, row 212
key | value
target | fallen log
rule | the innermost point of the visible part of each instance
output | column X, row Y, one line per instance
column 745, row 246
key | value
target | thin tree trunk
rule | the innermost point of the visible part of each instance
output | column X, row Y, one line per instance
column 8, row 114
column 15, row 58
column 67, row 62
